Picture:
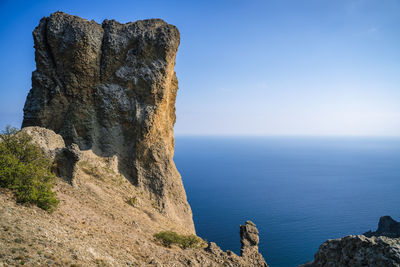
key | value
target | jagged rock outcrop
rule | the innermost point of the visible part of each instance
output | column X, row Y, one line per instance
column 380, row 248
column 386, row 227
column 249, row 240
column 65, row 161
column 357, row 251
column 111, row 88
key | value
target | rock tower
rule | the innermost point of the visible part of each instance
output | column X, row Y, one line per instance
column 111, row 88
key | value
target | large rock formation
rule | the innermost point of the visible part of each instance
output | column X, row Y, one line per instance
column 111, row 88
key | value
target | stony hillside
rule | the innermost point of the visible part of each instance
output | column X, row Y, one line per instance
column 102, row 220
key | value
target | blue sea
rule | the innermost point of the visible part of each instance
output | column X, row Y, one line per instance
column 298, row 191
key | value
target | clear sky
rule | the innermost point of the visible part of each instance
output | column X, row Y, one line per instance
column 300, row 67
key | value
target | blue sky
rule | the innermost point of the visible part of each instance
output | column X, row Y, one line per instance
column 300, row 67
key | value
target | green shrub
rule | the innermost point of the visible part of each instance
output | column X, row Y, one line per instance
column 133, row 201
column 26, row 171
column 167, row 238
column 192, row 241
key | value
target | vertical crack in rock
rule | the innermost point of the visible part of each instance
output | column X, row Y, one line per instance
column 112, row 88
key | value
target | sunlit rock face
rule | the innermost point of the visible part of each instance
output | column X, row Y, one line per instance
column 112, row 88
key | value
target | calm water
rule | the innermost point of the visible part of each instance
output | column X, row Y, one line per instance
column 299, row 191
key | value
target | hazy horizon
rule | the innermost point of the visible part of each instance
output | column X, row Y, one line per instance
column 248, row 68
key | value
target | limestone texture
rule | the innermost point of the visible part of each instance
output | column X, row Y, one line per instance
column 111, row 89
column 46, row 139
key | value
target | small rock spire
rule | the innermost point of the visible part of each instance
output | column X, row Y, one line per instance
column 249, row 237
column 249, row 240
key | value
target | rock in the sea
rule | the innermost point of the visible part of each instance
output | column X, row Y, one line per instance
column 112, row 88
column 386, row 227
column 249, row 240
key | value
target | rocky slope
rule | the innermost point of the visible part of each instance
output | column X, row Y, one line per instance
column 96, row 224
column 111, row 88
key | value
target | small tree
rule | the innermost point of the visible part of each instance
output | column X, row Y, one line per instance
column 25, row 170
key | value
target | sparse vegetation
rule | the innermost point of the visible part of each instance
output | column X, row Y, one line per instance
column 133, row 201
column 168, row 238
column 26, row 171
column 155, row 205
column 18, row 240
column 91, row 170
column 101, row 263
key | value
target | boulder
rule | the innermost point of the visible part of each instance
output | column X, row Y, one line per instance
column 46, row 139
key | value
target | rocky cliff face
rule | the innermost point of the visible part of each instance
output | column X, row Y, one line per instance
column 111, row 88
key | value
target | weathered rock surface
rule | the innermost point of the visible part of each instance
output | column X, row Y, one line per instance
column 47, row 139
column 380, row 248
column 111, row 88
column 66, row 160
column 386, row 227
column 357, row 251
column 249, row 240
column 52, row 144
